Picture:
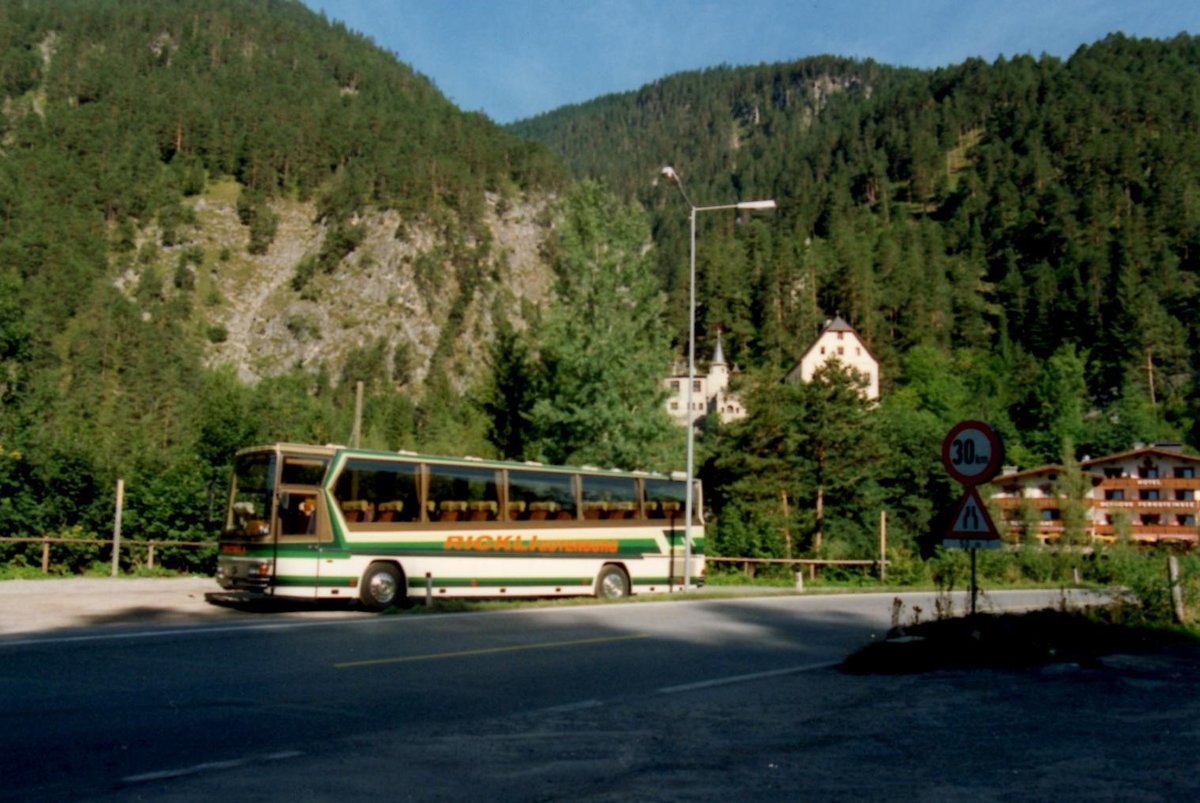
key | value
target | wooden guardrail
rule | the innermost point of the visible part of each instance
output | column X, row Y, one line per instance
column 148, row 545
column 749, row 564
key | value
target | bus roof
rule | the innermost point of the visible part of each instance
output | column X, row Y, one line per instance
column 329, row 450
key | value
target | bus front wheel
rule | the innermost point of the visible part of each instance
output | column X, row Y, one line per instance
column 612, row 583
column 382, row 587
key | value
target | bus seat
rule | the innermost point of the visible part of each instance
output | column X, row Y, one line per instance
column 388, row 511
column 542, row 510
column 452, row 510
column 594, row 510
column 620, row 510
column 356, row 510
column 483, row 510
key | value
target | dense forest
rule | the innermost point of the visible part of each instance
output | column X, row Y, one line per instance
column 1017, row 242
column 1025, row 210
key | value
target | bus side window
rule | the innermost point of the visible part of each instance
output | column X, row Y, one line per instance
column 302, row 471
column 666, row 499
column 369, row 491
column 541, row 495
column 609, row 497
column 463, row 493
column 297, row 513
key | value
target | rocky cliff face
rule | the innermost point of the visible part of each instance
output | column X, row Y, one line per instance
column 415, row 291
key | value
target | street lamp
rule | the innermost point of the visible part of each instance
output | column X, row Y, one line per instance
column 670, row 175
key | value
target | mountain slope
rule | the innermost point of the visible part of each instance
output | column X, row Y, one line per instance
column 1025, row 207
column 205, row 189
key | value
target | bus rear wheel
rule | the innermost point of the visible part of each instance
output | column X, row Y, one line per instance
column 382, row 587
column 612, row 583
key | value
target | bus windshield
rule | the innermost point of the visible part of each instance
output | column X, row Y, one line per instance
column 251, row 495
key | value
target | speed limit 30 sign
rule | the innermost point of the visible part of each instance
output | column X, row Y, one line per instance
column 972, row 453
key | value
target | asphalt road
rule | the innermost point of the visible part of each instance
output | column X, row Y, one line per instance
column 720, row 699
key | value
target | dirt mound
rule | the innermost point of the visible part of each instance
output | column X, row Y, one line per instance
column 1011, row 641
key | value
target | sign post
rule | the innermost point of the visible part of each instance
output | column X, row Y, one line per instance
column 972, row 453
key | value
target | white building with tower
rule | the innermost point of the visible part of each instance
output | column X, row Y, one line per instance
column 710, row 393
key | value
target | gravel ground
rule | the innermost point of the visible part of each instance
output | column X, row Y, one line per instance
column 63, row 604
column 56, row 605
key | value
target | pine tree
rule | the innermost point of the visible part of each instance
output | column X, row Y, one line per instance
column 602, row 348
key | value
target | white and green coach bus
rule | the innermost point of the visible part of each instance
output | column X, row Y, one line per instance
column 332, row 522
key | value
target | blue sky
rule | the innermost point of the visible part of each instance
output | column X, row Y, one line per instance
column 517, row 58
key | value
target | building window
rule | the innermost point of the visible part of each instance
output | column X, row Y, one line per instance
column 1148, row 472
column 1150, row 496
column 1185, row 472
column 1119, row 493
column 841, row 349
column 1051, row 514
column 1151, row 518
column 1185, row 520
column 696, row 386
column 1186, row 495
column 1112, row 473
column 674, row 405
column 674, row 385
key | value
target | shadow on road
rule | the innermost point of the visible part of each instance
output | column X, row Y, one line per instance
column 246, row 602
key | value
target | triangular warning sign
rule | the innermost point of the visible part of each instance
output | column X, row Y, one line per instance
column 971, row 519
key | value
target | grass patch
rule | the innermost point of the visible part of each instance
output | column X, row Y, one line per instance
column 1012, row 641
column 18, row 571
column 727, row 577
column 225, row 189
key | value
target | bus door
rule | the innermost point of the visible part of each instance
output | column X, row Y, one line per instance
column 301, row 533
column 665, row 506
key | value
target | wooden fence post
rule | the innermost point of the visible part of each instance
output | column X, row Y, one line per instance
column 1176, row 590
column 356, row 433
column 883, row 546
column 116, row 555
column 45, row 556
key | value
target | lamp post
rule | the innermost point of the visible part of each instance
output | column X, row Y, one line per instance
column 670, row 175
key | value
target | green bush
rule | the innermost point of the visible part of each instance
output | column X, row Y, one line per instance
column 1143, row 585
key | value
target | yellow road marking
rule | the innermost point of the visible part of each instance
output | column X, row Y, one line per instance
column 486, row 651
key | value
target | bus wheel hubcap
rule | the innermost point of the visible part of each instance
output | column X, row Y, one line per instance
column 613, row 586
column 383, row 587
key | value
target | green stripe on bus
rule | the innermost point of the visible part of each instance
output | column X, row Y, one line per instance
column 499, row 582
column 293, row 581
column 523, row 582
